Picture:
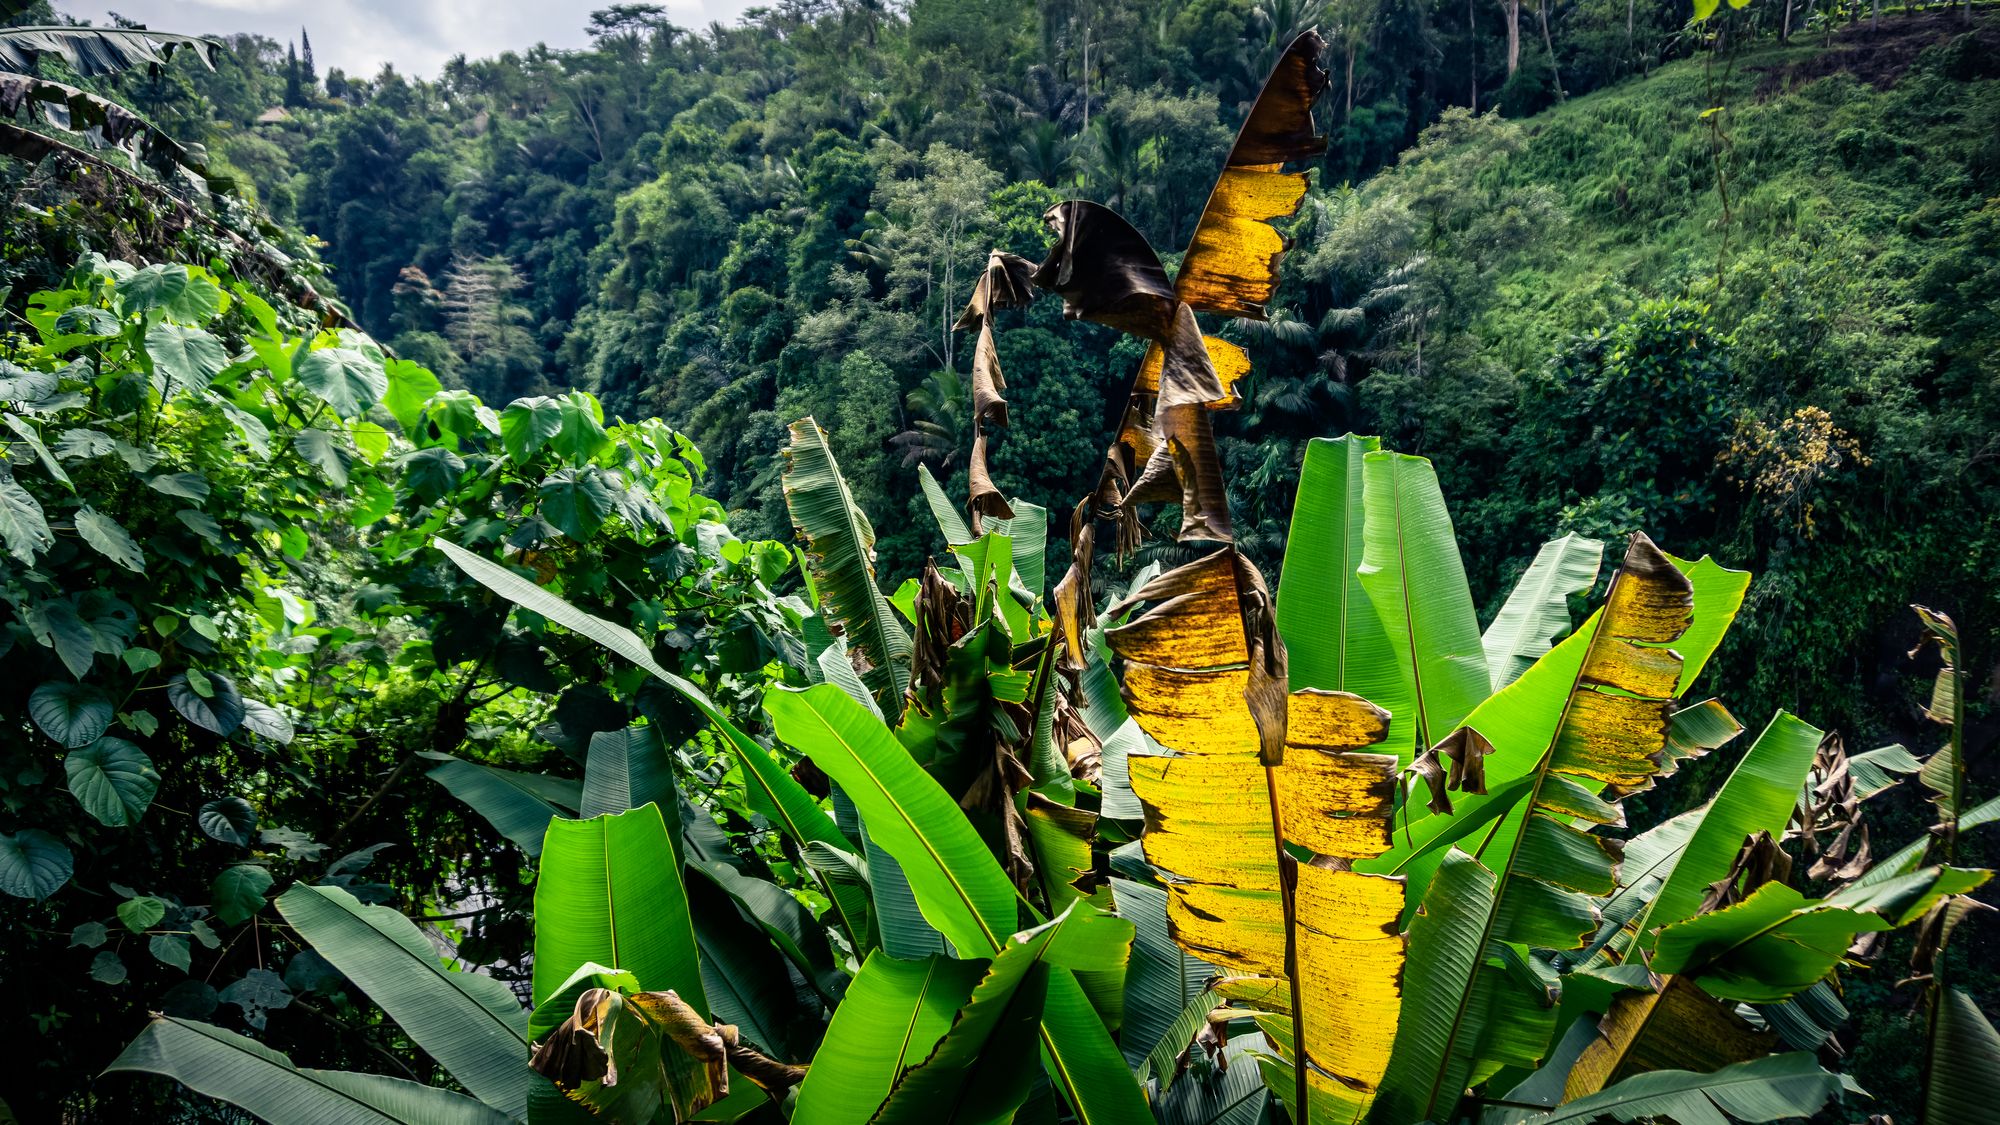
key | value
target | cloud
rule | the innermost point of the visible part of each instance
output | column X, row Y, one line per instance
column 416, row 36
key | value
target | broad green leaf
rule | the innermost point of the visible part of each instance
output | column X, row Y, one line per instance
column 346, row 379
column 186, row 358
column 432, row 473
column 772, row 792
column 984, row 1065
column 411, row 386
column 1778, row 943
column 1536, row 613
column 238, row 892
column 958, row 883
column 626, row 769
column 527, row 425
column 57, row 625
column 151, row 287
column 518, row 805
column 33, row 441
column 33, row 864
column 112, row 779
column 221, row 711
column 1333, row 636
column 610, row 891
column 72, row 714
column 892, row 1016
column 323, row 450
column 943, row 510
column 1411, row 570
column 109, row 539
column 1432, row 1057
column 1963, row 1079
column 141, row 912
column 1027, row 536
column 22, row 526
column 471, row 1024
column 579, row 435
column 1759, row 796
column 1774, row 1088
column 246, row 1074
column 576, row 501
column 552, row 1011
column 231, row 820
column 187, row 486
column 840, row 553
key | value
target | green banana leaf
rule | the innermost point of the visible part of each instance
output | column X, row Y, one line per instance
column 1333, row 636
column 1536, row 613
column 625, row 769
column 772, row 792
column 262, row 1082
column 1962, row 1077
column 893, row 1015
column 1773, row 1088
column 1778, row 943
column 1759, row 796
column 1411, row 568
column 518, row 805
column 471, row 1024
column 957, row 883
column 1431, row 1062
column 983, row 1069
column 841, row 555
column 610, row 892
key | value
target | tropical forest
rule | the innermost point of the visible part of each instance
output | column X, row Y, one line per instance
column 1067, row 562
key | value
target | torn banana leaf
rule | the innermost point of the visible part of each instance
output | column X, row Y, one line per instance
column 1231, row 265
column 840, row 554
column 1605, row 724
column 1219, row 811
column 1678, row 1027
column 1003, row 285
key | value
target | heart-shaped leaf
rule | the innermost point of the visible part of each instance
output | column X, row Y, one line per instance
column 113, row 780
column 171, row 949
column 221, row 711
column 262, row 718
column 23, row 528
column 345, row 378
column 72, row 714
column 230, row 820
column 322, row 449
column 141, row 912
column 33, row 864
column 411, row 386
column 239, row 892
column 184, row 357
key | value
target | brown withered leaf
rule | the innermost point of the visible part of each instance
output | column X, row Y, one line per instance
column 1934, row 931
column 1759, row 861
column 1074, row 601
column 1829, row 822
column 1466, row 750
column 1105, row 271
column 626, row 1057
column 943, row 616
column 1003, row 285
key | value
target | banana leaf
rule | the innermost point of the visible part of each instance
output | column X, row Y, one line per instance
column 841, row 555
column 1536, row 613
column 471, row 1024
column 260, row 1081
column 610, row 892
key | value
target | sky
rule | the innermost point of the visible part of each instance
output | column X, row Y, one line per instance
column 358, row 36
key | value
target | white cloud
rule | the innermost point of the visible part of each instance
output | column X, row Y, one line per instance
column 417, row 36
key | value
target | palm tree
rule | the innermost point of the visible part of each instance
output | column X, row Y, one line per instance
column 936, row 409
column 1112, row 161
column 1043, row 152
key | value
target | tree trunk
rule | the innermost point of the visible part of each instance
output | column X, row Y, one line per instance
column 1785, row 34
column 1513, row 37
column 1472, row 34
column 1548, row 41
column 1353, row 49
column 1875, row 17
